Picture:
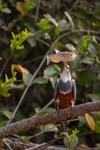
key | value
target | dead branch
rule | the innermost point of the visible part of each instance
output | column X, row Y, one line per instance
column 34, row 122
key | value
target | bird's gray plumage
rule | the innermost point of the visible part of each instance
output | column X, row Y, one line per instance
column 64, row 86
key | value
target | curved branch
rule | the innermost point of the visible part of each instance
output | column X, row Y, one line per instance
column 34, row 122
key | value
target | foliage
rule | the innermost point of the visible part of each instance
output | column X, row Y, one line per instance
column 18, row 39
column 71, row 141
column 35, row 26
column 4, row 86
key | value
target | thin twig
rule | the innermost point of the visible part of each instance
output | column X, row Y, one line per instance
column 5, row 65
column 37, row 11
column 42, row 62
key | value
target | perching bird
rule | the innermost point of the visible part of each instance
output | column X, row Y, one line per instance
column 61, row 57
column 64, row 93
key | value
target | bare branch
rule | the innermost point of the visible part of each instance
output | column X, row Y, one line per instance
column 34, row 122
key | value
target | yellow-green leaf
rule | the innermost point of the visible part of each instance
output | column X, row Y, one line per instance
column 90, row 121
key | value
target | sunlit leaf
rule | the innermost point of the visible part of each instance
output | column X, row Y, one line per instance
column 4, row 90
column 69, row 18
column 44, row 24
column 49, row 128
column 51, row 19
column 26, row 138
column 20, row 69
column 20, row 7
column 90, row 121
column 18, row 39
column 84, row 42
column 70, row 47
column 6, row 10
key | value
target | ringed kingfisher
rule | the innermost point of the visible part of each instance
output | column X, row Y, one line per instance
column 64, row 93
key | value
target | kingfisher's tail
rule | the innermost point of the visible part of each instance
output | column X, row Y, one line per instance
column 63, row 126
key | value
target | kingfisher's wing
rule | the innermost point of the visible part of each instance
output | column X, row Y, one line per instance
column 55, row 94
column 74, row 90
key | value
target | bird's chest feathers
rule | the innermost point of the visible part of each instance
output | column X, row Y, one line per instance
column 65, row 86
column 65, row 82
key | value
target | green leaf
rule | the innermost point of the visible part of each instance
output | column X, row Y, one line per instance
column 63, row 25
column 70, row 47
column 91, row 49
column 6, row 113
column 51, row 19
column 85, row 77
column 40, row 80
column 98, row 145
column 97, row 126
column 44, row 24
column 66, row 140
column 4, row 90
column 2, row 5
column 32, row 41
column 26, row 78
column 53, row 80
column 98, row 59
column 84, row 42
column 75, row 132
column 49, row 128
column 4, row 86
column 51, row 70
column 70, row 19
column 18, row 39
column 87, row 60
column 6, row 10
column 29, row 5
column 73, row 141
column 92, row 97
column 26, row 138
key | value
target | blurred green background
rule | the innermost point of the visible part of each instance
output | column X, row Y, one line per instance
column 47, row 20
